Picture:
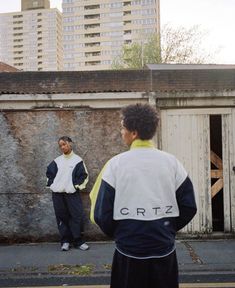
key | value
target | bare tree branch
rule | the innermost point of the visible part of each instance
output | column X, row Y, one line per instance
column 178, row 45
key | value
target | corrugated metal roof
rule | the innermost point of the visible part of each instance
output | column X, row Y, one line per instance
column 188, row 66
column 146, row 80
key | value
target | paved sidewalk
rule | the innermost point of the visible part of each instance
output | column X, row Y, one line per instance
column 194, row 257
column 210, row 255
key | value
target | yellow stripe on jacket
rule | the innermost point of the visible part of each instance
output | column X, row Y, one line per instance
column 94, row 193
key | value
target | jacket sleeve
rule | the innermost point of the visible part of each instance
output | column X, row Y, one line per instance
column 102, row 202
column 51, row 172
column 186, row 203
column 103, row 213
column 80, row 176
column 94, row 193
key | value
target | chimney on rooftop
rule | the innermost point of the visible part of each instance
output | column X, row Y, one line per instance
column 34, row 4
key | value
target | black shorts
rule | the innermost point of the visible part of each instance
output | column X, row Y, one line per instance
column 144, row 273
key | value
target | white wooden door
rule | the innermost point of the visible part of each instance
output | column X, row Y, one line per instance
column 186, row 134
column 232, row 167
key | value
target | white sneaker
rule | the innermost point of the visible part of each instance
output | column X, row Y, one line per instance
column 83, row 247
column 65, row 246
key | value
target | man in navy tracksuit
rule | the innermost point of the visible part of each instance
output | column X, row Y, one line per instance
column 141, row 198
column 67, row 175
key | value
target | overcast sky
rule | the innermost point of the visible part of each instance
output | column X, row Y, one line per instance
column 217, row 17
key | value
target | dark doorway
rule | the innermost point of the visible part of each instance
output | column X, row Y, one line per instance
column 216, row 172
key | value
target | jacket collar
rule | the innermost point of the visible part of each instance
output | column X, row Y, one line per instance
column 138, row 143
column 67, row 156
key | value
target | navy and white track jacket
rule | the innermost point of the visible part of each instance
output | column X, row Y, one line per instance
column 141, row 198
column 67, row 173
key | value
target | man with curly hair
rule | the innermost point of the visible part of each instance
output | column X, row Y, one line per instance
column 141, row 198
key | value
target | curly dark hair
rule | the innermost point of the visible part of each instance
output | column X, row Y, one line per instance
column 65, row 138
column 142, row 118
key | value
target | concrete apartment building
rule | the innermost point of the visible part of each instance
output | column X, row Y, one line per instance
column 31, row 40
column 95, row 31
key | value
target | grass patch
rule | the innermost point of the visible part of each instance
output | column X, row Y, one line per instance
column 82, row 270
column 24, row 269
column 107, row 266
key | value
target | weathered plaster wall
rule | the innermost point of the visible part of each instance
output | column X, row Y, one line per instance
column 28, row 143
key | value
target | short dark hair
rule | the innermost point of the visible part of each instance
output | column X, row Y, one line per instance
column 65, row 138
column 142, row 118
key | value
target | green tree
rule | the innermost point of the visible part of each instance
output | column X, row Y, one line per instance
column 176, row 45
column 137, row 54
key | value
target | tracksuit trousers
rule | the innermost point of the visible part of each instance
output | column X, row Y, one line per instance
column 144, row 273
column 69, row 216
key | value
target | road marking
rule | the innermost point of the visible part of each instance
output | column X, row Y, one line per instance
column 207, row 285
column 65, row 286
